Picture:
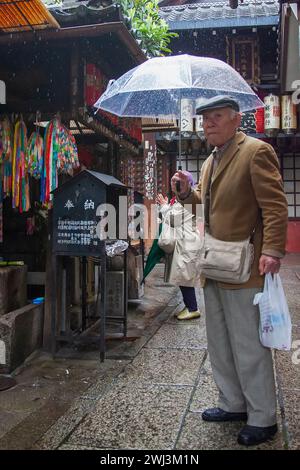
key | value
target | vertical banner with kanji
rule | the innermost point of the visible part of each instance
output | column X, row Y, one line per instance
column 150, row 166
column 243, row 56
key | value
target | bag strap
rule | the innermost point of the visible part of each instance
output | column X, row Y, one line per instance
column 207, row 197
column 207, row 202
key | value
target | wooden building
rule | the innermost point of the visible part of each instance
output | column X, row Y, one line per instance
column 290, row 85
column 56, row 63
column 248, row 36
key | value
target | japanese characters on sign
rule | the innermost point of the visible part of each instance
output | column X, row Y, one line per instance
column 186, row 123
column 272, row 114
column 288, row 115
column 150, row 165
column 115, row 293
column 77, row 232
column 244, row 57
column 87, row 209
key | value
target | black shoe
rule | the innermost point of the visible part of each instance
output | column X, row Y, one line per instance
column 216, row 414
column 252, row 435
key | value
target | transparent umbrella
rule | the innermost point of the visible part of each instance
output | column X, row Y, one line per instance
column 156, row 87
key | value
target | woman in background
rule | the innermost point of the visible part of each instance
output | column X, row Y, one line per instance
column 181, row 267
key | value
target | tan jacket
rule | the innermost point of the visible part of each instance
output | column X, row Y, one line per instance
column 246, row 193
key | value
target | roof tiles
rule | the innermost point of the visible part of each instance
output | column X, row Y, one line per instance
column 205, row 15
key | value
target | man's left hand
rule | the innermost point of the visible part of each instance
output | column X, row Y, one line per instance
column 268, row 264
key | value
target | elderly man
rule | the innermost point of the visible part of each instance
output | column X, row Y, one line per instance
column 246, row 193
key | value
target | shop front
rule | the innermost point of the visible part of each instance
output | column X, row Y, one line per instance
column 246, row 36
column 48, row 134
column 290, row 123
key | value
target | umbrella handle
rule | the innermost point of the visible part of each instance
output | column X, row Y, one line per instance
column 178, row 182
column 179, row 145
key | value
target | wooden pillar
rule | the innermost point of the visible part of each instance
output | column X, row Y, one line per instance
column 47, row 334
column 74, row 73
column 150, row 185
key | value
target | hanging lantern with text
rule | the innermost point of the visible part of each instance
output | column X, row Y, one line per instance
column 186, row 123
column 199, row 126
column 288, row 115
column 272, row 115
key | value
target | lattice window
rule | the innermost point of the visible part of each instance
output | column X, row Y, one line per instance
column 290, row 170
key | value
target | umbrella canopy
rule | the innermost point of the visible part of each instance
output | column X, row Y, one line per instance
column 156, row 87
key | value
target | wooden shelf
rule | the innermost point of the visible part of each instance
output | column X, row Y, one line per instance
column 280, row 135
column 266, row 86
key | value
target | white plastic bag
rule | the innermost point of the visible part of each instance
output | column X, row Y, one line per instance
column 275, row 326
column 115, row 248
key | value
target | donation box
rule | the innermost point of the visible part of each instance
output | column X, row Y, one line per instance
column 79, row 213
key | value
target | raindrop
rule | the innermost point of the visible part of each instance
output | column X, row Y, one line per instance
column 36, row 384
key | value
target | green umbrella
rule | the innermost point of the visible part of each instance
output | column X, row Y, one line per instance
column 155, row 254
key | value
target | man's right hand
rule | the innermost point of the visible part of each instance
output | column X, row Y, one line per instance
column 184, row 184
column 268, row 264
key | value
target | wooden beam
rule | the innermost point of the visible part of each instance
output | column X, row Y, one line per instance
column 74, row 74
column 116, row 27
column 286, row 13
column 109, row 134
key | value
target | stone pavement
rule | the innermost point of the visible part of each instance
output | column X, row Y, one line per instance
column 150, row 391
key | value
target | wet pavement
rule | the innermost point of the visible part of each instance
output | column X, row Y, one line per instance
column 150, row 391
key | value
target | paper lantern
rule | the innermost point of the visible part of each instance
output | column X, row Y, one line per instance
column 272, row 115
column 288, row 115
column 186, row 124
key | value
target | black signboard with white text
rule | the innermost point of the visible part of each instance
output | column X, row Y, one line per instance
column 79, row 213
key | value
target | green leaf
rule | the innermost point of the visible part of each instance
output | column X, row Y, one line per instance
column 147, row 26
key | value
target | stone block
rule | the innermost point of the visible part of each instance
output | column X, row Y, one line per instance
column 21, row 333
column 135, row 276
column 115, row 293
column 13, row 288
column 116, row 263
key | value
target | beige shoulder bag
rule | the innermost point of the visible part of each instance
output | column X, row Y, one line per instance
column 222, row 261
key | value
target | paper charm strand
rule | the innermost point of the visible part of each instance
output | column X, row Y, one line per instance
column 60, row 154
column 35, row 155
column 20, row 180
column 6, row 154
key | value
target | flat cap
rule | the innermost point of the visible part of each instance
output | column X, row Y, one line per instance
column 220, row 101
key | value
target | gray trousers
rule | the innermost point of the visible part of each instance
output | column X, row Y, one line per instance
column 242, row 367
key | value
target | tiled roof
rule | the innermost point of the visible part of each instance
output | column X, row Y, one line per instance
column 220, row 15
column 66, row 4
column 16, row 16
column 80, row 12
